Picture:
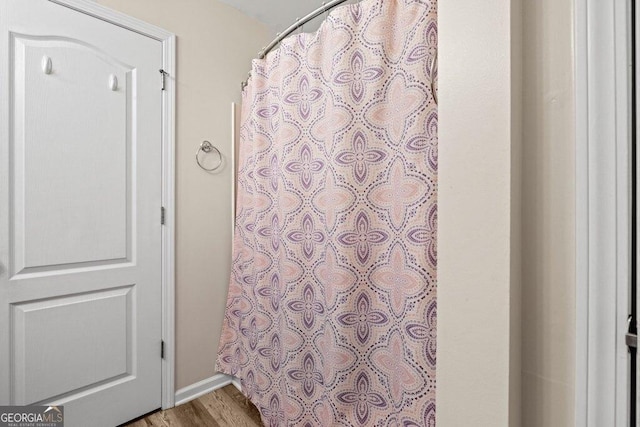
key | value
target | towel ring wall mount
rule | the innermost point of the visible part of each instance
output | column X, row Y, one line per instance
column 206, row 147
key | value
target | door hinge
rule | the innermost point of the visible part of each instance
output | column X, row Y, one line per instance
column 631, row 340
column 162, row 215
column 631, row 337
column 162, row 349
column 163, row 73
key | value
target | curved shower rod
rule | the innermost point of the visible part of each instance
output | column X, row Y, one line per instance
column 319, row 11
column 299, row 23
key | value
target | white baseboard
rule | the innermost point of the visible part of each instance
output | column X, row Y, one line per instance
column 203, row 387
column 236, row 382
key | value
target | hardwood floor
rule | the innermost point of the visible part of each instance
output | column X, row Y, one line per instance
column 225, row 407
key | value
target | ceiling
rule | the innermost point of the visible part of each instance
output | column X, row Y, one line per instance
column 278, row 14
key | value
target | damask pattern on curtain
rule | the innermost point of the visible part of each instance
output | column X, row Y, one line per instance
column 331, row 312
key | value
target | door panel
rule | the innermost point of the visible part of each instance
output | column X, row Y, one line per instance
column 57, row 172
column 80, row 198
column 98, row 352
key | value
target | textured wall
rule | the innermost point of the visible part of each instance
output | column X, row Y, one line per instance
column 515, row 294
column 474, row 218
column 548, row 305
column 215, row 44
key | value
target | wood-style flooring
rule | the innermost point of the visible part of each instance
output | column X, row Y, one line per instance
column 225, row 407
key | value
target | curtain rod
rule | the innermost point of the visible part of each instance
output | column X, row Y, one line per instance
column 299, row 23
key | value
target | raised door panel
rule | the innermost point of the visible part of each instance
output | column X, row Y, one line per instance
column 71, row 142
column 54, row 358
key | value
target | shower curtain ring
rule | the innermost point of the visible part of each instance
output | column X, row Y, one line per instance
column 207, row 147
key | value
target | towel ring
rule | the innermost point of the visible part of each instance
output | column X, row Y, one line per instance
column 207, row 147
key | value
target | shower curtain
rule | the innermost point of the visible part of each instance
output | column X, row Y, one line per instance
column 331, row 311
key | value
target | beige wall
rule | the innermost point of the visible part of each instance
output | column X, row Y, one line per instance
column 515, row 297
column 506, row 339
column 215, row 44
column 548, row 315
column 476, row 137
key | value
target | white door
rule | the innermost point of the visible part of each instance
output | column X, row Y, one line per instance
column 80, row 199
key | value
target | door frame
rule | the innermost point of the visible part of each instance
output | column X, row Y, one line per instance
column 168, row 41
column 603, row 210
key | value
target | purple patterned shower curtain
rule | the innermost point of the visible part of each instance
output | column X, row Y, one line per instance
column 331, row 313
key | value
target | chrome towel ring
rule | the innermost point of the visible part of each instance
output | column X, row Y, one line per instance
column 207, row 147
